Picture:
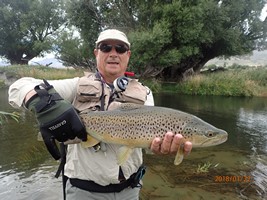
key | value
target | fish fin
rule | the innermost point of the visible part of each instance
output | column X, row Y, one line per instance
column 148, row 151
column 90, row 142
column 179, row 156
column 123, row 154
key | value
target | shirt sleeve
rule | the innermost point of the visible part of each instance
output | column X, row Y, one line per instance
column 18, row 90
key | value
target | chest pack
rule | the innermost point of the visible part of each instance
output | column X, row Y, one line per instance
column 94, row 94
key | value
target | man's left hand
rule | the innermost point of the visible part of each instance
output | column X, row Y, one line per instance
column 170, row 144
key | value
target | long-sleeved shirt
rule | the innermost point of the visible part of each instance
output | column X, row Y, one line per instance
column 82, row 163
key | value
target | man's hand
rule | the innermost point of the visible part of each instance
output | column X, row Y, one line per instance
column 57, row 117
column 170, row 144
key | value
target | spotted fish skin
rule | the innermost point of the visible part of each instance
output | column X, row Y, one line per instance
column 135, row 126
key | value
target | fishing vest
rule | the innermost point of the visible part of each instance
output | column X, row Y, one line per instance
column 94, row 94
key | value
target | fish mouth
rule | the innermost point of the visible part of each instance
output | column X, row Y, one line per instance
column 207, row 142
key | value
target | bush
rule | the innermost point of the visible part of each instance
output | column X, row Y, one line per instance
column 153, row 85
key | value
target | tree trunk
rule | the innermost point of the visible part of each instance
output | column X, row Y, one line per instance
column 187, row 67
column 18, row 59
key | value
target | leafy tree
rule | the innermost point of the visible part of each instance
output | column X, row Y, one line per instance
column 173, row 37
column 77, row 49
column 73, row 51
column 28, row 28
column 89, row 18
column 187, row 34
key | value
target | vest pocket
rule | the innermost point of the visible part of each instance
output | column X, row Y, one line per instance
column 89, row 90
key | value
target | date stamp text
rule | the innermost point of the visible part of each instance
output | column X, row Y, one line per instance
column 232, row 179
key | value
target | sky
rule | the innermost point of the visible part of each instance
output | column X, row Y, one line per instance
column 264, row 12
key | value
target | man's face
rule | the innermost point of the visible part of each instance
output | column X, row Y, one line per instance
column 112, row 59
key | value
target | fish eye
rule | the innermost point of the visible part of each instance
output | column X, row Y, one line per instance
column 210, row 134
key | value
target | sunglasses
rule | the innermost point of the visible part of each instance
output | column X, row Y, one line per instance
column 120, row 48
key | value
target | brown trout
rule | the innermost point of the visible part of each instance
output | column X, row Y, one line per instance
column 135, row 126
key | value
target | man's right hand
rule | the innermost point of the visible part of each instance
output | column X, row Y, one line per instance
column 57, row 117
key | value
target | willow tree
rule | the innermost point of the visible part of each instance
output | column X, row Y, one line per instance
column 185, row 35
column 172, row 37
column 28, row 28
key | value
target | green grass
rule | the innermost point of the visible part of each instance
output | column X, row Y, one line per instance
column 235, row 81
column 5, row 115
column 40, row 72
column 240, row 82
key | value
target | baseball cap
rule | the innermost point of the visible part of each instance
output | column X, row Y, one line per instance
column 112, row 34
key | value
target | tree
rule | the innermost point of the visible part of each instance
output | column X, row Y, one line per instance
column 77, row 49
column 74, row 51
column 89, row 18
column 28, row 28
column 171, row 37
column 187, row 34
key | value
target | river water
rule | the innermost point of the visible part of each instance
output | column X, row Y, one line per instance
column 236, row 169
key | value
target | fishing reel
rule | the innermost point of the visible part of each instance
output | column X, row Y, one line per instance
column 120, row 84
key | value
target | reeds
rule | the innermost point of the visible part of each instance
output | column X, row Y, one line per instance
column 232, row 82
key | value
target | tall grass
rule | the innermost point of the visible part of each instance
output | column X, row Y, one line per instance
column 41, row 72
column 236, row 81
column 5, row 115
column 241, row 82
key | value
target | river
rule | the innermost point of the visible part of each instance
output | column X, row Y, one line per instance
column 236, row 169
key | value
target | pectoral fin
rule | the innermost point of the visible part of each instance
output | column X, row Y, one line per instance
column 179, row 156
column 90, row 142
column 123, row 154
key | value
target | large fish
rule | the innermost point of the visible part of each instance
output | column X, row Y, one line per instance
column 133, row 126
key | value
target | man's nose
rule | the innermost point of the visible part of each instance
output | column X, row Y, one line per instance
column 113, row 52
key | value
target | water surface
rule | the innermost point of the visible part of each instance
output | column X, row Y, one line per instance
column 236, row 169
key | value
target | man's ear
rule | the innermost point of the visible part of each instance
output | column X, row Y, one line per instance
column 129, row 53
column 95, row 52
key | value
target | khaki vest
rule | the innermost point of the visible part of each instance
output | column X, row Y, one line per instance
column 91, row 89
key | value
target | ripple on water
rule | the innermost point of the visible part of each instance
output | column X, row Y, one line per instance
column 38, row 183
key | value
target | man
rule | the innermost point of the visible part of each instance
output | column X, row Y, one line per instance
column 93, row 173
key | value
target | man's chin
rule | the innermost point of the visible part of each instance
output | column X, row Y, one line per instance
column 113, row 71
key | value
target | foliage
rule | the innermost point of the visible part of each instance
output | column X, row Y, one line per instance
column 203, row 168
column 5, row 115
column 78, row 50
column 171, row 37
column 199, row 31
column 73, row 51
column 2, row 83
column 153, row 84
column 28, row 28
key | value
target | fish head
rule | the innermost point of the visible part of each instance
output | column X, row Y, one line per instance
column 203, row 134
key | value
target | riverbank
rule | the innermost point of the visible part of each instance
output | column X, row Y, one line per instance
column 231, row 81
column 9, row 74
column 235, row 80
